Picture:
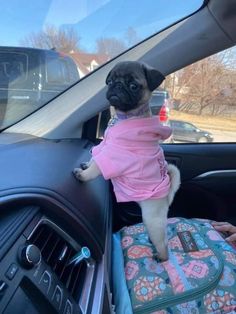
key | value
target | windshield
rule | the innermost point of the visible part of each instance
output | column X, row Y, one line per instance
column 47, row 46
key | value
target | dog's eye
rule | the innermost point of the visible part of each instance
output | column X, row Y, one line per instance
column 109, row 82
column 133, row 87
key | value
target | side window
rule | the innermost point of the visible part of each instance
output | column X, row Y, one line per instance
column 197, row 102
column 56, row 73
column 60, row 71
column 103, row 119
column 188, row 127
column 13, row 68
column 204, row 95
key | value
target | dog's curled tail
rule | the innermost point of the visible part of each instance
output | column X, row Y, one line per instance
column 174, row 174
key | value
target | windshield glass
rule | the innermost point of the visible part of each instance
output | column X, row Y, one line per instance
column 47, row 46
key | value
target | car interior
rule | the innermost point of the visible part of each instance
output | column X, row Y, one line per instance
column 48, row 214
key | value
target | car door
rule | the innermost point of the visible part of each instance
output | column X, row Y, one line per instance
column 179, row 130
column 188, row 132
column 207, row 180
column 207, row 184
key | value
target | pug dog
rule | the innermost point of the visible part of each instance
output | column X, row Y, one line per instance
column 130, row 154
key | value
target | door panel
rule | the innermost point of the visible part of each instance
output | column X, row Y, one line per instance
column 208, row 183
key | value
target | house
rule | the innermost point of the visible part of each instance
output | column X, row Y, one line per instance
column 87, row 62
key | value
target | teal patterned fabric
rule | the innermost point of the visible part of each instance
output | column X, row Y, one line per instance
column 198, row 278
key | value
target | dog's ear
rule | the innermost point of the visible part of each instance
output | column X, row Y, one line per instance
column 154, row 78
column 108, row 75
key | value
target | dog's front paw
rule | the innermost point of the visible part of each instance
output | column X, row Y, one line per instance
column 84, row 165
column 77, row 173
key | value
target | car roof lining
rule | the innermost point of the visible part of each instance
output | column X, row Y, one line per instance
column 224, row 16
column 212, row 30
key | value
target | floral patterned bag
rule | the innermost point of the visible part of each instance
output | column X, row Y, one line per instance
column 199, row 277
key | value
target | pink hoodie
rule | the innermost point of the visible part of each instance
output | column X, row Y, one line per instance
column 131, row 157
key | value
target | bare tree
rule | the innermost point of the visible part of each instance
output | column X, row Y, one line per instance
column 206, row 86
column 110, row 46
column 131, row 37
column 64, row 40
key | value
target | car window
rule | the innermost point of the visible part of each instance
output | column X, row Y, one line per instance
column 204, row 94
column 157, row 100
column 13, row 68
column 188, row 127
column 59, row 71
column 48, row 46
column 199, row 101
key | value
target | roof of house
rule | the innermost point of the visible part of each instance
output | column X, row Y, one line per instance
column 84, row 60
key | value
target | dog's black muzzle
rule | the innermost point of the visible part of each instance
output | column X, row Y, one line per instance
column 120, row 98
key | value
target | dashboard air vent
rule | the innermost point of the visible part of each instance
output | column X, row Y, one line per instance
column 57, row 252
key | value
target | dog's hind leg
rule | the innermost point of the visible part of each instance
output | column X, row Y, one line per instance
column 154, row 213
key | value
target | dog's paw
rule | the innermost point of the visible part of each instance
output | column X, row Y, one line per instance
column 84, row 165
column 163, row 255
column 160, row 258
column 77, row 173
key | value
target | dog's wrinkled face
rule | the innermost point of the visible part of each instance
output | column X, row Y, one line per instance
column 130, row 85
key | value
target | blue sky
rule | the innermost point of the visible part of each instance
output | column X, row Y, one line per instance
column 92, row 19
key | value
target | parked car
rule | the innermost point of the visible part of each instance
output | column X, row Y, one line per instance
column 29, row 78
column 187, row 132
column 160, row 104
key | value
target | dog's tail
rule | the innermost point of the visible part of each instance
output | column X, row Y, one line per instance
column 174, row 174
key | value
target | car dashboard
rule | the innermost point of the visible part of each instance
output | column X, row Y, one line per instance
column 55, row 237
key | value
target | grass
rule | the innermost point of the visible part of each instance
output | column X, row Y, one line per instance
column 206, row 121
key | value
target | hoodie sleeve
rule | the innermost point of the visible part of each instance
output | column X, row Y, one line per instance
column 112, row 161
column 164, row 131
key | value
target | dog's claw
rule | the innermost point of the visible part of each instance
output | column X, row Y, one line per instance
column 77, row 172
column 84, row 165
